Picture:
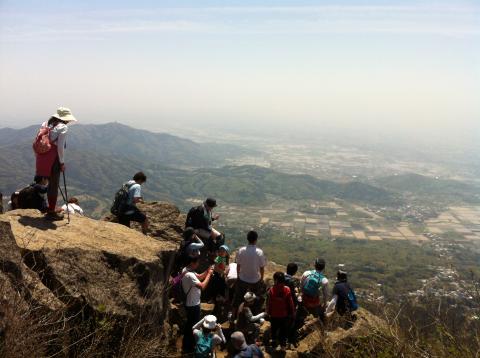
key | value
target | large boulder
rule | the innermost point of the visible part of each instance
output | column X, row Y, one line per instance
column 95, row 264
column 166, row 221
column 81, row 287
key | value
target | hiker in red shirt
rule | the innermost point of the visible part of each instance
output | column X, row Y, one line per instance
column 281, row 310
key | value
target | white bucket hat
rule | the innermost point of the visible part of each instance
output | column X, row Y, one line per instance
column 249, row 297
column 65, row 115
column 210, row 322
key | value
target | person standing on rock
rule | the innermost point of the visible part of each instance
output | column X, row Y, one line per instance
column 251, row 264
column 281, row 310
column 193, row 284
column 49, row 147
column 131, row 212
column 314, row 284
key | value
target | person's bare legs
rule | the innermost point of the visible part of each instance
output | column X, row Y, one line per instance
column 145, row 226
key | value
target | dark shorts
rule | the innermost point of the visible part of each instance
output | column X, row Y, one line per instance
column 136, row 216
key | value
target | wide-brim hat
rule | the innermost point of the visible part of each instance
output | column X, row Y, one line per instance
column 65, row 115
column 210, row 322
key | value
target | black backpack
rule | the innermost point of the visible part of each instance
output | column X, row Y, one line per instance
column 195, row 217
column 27, row 198
column 121, row 199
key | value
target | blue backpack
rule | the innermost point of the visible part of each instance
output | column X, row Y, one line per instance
column 204, row 346
column 312, row 284
column 352, row 300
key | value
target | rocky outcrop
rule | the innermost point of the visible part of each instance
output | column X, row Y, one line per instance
column 166, row 221
column 90, row 271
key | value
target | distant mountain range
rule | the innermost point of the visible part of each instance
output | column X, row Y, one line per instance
column 101, row 157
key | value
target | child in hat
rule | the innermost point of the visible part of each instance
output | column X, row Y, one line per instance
column 208, row 334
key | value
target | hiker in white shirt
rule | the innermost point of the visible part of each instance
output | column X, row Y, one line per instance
column 73, row 207
column 193, row 284
column 251, row 264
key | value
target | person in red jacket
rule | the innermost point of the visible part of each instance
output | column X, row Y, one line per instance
column 281, row 310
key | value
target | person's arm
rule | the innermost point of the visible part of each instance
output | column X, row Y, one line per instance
column 269, row 311
column 197, row 245
column 137, row 194
column 198, row 324
column 219, row 335
column 203, row 285
column 325, row 290
column 291, row 306
column 331, row 305
column 251, row 318
column 61, row 140
column 262, row 273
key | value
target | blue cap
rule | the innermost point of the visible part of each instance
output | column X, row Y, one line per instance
column 225, row 247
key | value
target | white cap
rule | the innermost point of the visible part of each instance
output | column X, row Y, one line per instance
column 249, row 297
column 65, row 115
column 210, row 322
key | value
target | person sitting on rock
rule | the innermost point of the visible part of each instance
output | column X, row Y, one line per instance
column 73, row 207
column 33, row 196
column 247, row 323
column 313, row 284
column 201, row 218
column 242, row 349
column 193, row 284
column 208, row 335
column 343, row 299
column 281, row 310
column 131, row 212
column 251, row 264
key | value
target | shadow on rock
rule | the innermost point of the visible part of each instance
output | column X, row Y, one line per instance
column 37, row 222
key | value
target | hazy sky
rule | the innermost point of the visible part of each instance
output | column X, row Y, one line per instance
column 241, row 63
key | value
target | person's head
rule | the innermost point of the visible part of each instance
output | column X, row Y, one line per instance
column 140, row 178
column 188, row 234
column 223, row 251
column 209, row 324
column 73, row 200
column 249, row 298
column 292, row 268
column 210, row 203
column 238, row 341
column 319, row 264
column 40, row 180
column 279, row 278
column 342, row 276
column 252, row 237
column 193, row 262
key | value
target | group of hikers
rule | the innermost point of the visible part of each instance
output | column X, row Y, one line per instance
column 239, row 289
column 207, row 270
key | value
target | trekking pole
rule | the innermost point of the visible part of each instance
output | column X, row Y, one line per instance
column 66, row 196
column 65, row 201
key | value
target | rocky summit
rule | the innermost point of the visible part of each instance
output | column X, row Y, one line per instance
column 81, row 287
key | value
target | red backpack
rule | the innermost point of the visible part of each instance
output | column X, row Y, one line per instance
column 42, row 144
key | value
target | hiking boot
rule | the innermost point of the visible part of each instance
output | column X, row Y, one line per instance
column 54, row 216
